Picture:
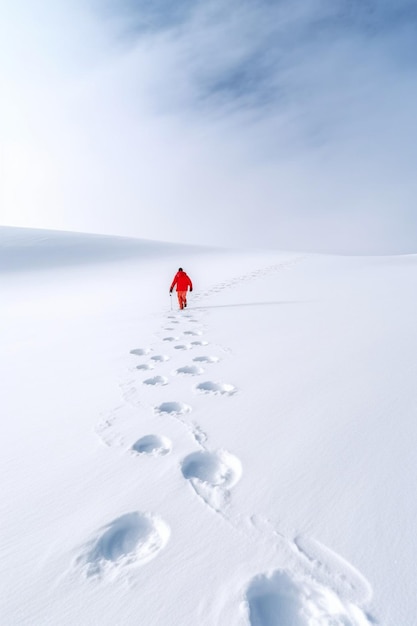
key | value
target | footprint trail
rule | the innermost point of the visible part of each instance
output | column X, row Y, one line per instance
column 317, row 587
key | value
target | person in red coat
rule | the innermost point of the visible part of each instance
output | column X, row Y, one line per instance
column 183, row 282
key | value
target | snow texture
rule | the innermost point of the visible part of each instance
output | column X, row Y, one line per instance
column 246, row 462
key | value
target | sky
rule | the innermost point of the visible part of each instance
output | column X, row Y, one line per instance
column 281, row 124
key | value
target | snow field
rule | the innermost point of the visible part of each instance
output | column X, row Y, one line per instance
column 245, row 462
column 283, row 597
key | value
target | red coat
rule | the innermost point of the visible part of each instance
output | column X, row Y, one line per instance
column 182, row 281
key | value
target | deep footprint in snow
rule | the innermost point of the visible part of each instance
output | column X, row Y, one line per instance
column 156, row 380
column 172, row 408
column 212, row 475
column 170, row 339
column 199, row 343
column 206, row 359
column 154, row 445
column 216, row 388
column 160, row 358
column 132, row 539
column 145, row 366
column 218, row 468
column 193, row 333
column 281, row 600
column 183, row 346
column 141, row 351
column 191, row 370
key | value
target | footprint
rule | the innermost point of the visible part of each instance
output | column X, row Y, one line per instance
column 173, row 408
column 214, row 468
column 160, row 358
column 183, row 346
column 194, row 333
column 145, row 366
column 199, row 343
column 152, row 445
column 199, row 435
column 212, row 474
column 141, row 351
column 216, row 388
column 191, row 370
column 156, row 380
column 281, row 600
column 170, row 339
column 107, row 433
column 206, row 359
column 130, row 540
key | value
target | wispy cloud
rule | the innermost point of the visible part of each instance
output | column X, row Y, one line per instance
column 286, row 123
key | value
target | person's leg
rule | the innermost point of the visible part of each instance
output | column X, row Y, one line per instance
column 181, row 298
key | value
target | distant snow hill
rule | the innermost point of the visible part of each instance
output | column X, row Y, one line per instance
column 23, row 249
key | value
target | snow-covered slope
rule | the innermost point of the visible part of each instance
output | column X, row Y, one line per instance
column 28, row 248
column 248, row 461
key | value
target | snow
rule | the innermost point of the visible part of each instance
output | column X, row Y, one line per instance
column 249, row 461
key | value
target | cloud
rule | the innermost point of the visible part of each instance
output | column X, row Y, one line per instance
column 285, row 124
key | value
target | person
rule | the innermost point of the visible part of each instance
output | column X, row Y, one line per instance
column 183, row 282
